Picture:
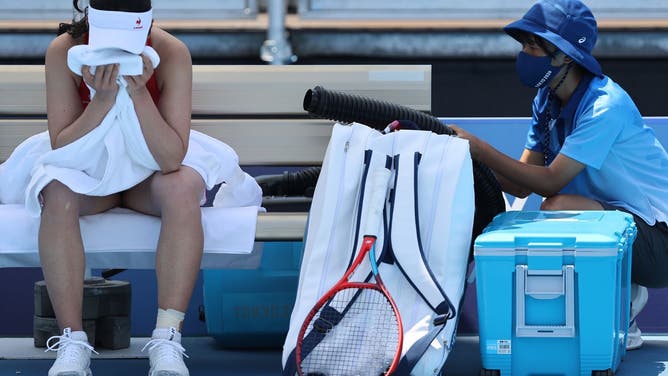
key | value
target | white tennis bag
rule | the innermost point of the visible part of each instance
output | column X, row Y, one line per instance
column 429, row 222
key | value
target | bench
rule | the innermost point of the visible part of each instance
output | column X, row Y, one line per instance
column 257, row 110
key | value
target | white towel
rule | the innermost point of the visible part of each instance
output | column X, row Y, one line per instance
column 129, row 64
column 114, row 156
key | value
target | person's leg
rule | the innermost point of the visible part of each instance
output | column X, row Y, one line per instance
column 570, row 202
column 175, row 197
column 650, row 247
column 61, row 248
column 649, row 256
column 639, row 297
column 649, row 264
column 63, row 263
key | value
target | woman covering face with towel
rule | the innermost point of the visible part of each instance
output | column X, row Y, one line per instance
column 162, row 102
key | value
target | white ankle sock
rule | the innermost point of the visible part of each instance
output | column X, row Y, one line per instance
column 169, row 318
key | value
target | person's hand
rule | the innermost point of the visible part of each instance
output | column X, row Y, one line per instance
column 103, row 81
column 474, row 142
column 138, row 83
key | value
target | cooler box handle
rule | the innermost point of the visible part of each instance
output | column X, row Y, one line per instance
column 545, row 284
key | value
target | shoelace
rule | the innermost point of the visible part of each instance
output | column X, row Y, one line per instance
column 171, row 350
column 71, row 348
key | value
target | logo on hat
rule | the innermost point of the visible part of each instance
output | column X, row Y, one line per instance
column 138, row 24
column 582, row 40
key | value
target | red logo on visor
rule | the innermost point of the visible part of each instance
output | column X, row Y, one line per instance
column 138, row 24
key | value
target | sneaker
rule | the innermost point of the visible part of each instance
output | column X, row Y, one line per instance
column 73, row 357
column 166, row 354
column 639, row 296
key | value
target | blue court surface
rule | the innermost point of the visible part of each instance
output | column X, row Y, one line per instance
column 19, row 357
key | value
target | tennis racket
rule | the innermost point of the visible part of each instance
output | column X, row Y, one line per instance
column 355, row 328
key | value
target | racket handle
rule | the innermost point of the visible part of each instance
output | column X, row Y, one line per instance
column 376, row 203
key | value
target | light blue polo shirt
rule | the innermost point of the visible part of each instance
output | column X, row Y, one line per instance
column 625, row 165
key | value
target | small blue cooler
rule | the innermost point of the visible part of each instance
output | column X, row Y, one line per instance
column 251, row 308
column 553, row 292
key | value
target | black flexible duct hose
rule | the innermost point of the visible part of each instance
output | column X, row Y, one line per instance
column 298, row 183
column 377, row 114
column 348, row 108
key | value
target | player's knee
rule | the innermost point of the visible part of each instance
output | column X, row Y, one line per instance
column 56, row 197
column 178, row 188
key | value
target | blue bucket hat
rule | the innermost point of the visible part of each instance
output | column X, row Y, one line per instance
column 568, row 24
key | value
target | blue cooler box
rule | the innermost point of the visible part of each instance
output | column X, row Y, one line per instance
column 553, row 292
column 251, row 308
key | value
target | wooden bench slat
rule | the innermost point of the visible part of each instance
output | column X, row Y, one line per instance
column 15, row 131
column 272, row 142
column 249, row 89
column 256, row 141
column 258, row 89
column 280, row 226
column 23, row 90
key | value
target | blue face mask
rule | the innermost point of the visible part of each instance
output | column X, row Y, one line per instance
column 535, row 71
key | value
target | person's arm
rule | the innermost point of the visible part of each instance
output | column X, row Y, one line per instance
column 66, row 120
column 166, row 128
column 529, row 157
column 527, row 173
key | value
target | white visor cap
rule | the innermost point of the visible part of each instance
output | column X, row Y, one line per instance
column 127, row 31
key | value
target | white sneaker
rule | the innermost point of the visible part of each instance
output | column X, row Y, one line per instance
column 73, row 354
column 166, row 354
column 639, row 296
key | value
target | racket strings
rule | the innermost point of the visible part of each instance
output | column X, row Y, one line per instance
column 357, row 333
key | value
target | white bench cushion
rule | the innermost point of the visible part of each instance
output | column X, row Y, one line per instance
column 122, row 238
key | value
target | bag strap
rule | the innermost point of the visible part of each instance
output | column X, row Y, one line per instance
column 290, row 368
column 408, row 251
column 415, row 353
column 360, row 200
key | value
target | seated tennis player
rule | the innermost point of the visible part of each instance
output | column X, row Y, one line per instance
column 162, row 101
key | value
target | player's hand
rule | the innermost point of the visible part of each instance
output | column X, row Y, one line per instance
column 138, row 83
column 103, row 81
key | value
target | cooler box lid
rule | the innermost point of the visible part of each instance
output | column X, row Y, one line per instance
column 557, row 230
